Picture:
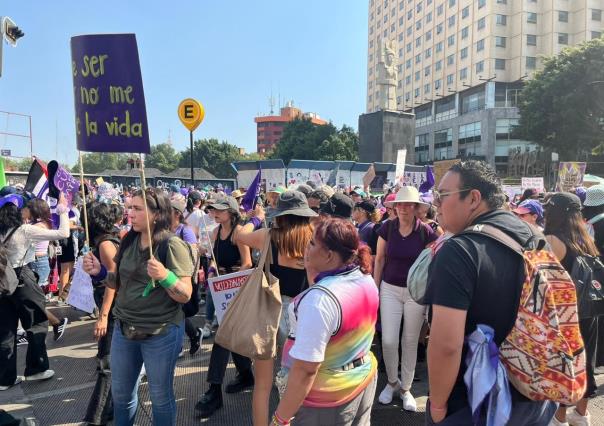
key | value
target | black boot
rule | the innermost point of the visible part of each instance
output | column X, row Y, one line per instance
column 195, row 342
column 210, row 401
column 241, row 381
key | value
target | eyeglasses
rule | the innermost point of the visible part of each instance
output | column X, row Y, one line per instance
column 438, row 196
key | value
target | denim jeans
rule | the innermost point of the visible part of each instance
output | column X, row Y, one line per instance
column 159, row 354
column 41, row 266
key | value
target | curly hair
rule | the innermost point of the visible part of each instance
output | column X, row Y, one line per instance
column 10, row 217
column 479, row 175
column 102, row 219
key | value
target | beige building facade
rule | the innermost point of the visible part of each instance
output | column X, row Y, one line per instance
column 461, row 64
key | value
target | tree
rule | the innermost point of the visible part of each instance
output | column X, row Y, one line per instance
column 22, row 165
column 163, row 157
column 304, row 140
column 216, row 157
column 561, row 107
column 97, row 162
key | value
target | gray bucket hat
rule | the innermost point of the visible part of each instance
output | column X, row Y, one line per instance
column 293, row 203
column 225, row 203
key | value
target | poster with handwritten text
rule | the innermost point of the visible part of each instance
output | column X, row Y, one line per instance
column 108, row 94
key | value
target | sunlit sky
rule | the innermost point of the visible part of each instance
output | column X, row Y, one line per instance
column 229, row 55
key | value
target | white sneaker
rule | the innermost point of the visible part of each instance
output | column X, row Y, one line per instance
column 207, row 331
column 386, row 394
column 18, row 380
column 576, row 419
column 555, row 422
column 409, row 403
column 45, row 375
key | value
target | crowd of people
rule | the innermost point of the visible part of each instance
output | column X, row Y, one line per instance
column 343, row 259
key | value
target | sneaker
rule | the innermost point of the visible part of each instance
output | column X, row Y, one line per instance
column 555, row 422
column 45, row 375
column 207, row 331
column 59, row 329
column 576, row 419
column 409, row 403
column 22, row 340
column 18, row 380
column 386, row 395
column 196, row 342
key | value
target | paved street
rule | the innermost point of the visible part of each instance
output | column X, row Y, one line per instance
column 63, row 400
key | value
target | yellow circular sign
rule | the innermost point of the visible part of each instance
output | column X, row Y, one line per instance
column 191, row 113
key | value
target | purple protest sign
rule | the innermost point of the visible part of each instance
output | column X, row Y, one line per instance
column 108, row 94
column 60, row 180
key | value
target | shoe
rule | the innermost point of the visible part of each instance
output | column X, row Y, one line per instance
column 22, row 340
column 409, row 403
column 555, row 422
column 45, row 375
column 195, row 342
column 215, row 323
column 207, row 331
column 386, row 394
column 18, row 380
column 576, row 419
column 240, row 383
column 59, row 329
column 209, row 402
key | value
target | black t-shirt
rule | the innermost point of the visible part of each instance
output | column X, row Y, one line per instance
column 483, row 277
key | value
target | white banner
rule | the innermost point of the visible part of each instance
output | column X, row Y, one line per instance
column 272, row 178
column 80, row 294
column 401, row 157
column 296, row 177
column 245, row 177
column 224, row 289
column 533, row 182
column 414, row 179
column 319, row 177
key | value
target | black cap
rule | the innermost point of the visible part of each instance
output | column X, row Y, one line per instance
column 564, row 202
column 366, row 205
column 339, row 205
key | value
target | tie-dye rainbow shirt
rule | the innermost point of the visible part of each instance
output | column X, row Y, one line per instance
column 357, row 297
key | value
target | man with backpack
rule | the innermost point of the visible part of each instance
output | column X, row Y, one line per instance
column 474, row 289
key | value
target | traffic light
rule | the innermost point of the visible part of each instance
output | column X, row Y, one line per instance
column 10, row 30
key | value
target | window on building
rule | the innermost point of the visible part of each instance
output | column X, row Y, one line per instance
column 401, row 5
column 450, row 60
column 408, row 64
column 409, row 47
column 500, row 64
column 439, row 9
column 426, row 88
column 428, row 52
column 417, row 75
column 400, row 37
column 480, row 45
column 438, row 65
column 451, row 40
column 481, row 3
column 479, row 67
column 502, row 1
column 531, row 18
column 408, row 80
column 450, row 79
column 463, row 53
column 418, row 25
column 531, row 62
column 470, row 140
column 399, row 68
column 481, row 23
column 429, row 17
column 501, row 19
column 463, row 74
column 407, row 96
column 419, row 7
column 465, row 12
column 437, row 84
column 409, row 15
column 409, row 31
column 392, row 28
column 595, row 34
column 562, row 38
column 418, row 58
column 451, row 3
column 401, row 20
column 429, row 35
column 443, row 143
column 464, row 32
column 386, row 33
column 439, row 46
column 562, row 16
column 439, row 28
column 385, row 18
column 451, row 20
column 418, row 42
column 531, row 40
column 427, row 71
column 422, row 147
column 400, row 84
column 416, row 92
column 500, row 41
column 596, row 14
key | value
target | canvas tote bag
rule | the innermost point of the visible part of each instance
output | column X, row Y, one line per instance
column 249, row 326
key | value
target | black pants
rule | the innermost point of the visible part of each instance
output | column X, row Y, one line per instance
column 25, row 304
column 218, row 364
column 190, row 329
column 589, row 332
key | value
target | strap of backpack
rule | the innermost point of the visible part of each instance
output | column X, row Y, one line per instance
column 596, row 219
column 10, row 234
column 496, row 234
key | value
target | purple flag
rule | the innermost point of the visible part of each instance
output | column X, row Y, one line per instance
column 249, row 199
column 429, row 183
column 60, row 180
column 108, row 94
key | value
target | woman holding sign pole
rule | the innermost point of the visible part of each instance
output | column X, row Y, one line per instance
column 149, row 322
column 228, row 257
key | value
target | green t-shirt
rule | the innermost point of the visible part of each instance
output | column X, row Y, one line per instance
column 158, row 308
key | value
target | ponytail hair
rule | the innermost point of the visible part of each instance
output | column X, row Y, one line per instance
column 341, row 236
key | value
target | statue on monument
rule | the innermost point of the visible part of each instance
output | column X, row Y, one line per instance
column 387, row 76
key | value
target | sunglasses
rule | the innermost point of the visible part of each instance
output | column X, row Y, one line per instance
column 438, row 196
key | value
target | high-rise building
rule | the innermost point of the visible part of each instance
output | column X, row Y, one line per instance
column 461, row 65
column 270, row 127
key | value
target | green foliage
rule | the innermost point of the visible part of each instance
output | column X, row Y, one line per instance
column 303, row 140
column 22, row 165
column 163, row 157
column 96, row 162
column 562, row 107
column 214, row 156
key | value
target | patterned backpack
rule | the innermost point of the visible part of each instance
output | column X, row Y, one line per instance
column 544, row 352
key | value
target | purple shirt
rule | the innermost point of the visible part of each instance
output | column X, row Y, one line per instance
column 365, row 231
column 401, row 252
column 186, row 234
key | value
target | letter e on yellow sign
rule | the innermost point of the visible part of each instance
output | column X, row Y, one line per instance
column 191, row 113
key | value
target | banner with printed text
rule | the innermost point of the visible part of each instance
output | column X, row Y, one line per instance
column 533, row 183
column 108, row 93
column 224, row 289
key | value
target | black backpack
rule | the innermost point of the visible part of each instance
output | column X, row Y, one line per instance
column 588, row 275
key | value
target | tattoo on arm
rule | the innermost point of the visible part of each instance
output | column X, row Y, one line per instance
column 175, row 291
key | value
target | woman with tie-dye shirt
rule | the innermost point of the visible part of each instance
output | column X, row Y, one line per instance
column 329, row 373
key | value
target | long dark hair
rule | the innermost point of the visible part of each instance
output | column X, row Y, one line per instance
column 40, row 211
column 102, row 219
column 569, row 227
column 10, row 217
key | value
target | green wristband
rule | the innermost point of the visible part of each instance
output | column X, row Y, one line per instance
column 169, row 281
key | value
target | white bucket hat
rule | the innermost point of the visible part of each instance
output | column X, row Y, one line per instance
column 594, row 196
column 406, row 194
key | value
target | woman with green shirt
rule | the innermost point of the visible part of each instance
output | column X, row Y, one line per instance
column 149, row 318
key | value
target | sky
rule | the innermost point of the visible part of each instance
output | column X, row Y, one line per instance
column 229, row 55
